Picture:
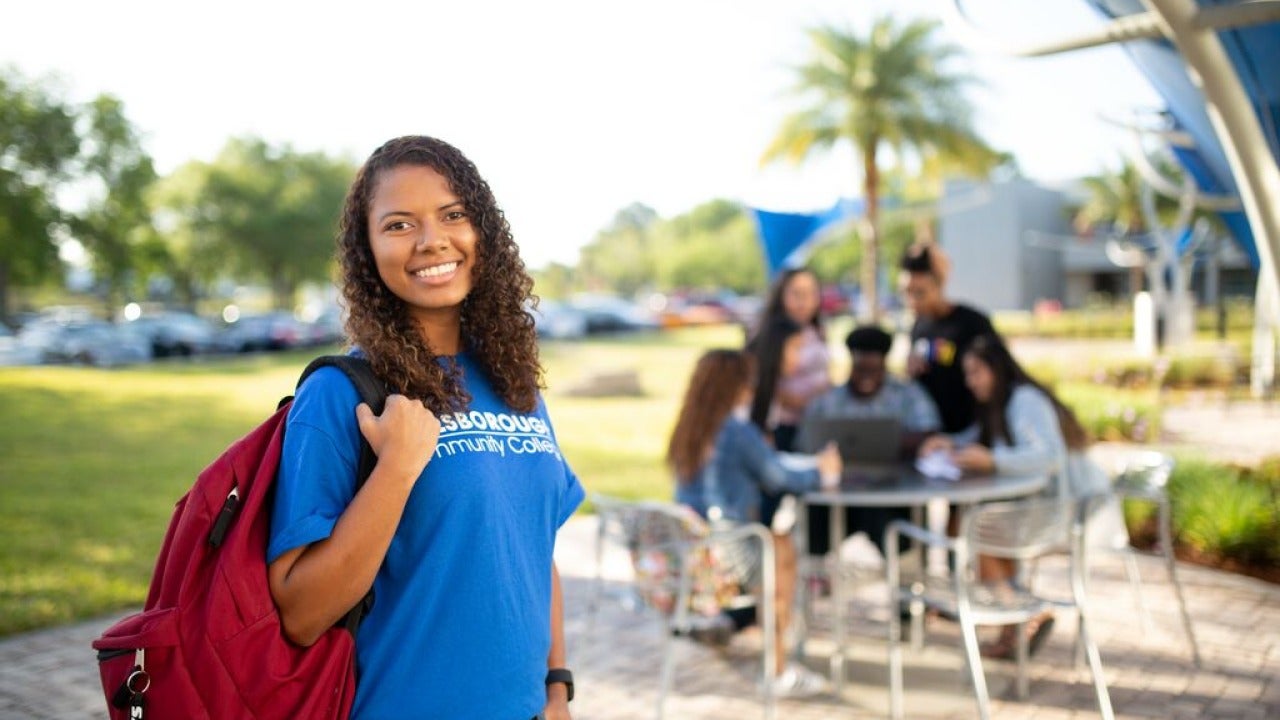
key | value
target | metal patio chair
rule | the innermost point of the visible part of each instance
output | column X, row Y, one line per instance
column 1022, row 530
column 1145, row 476
column 679, row 572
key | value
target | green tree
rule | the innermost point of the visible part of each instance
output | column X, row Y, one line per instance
column 554, row 282
column 834, row 255
column 620, row 256
column 274, row 211
column 115, row 228
column 891, row 88
column 38, row 143
column 190, row 256
column 713, row 246
column 1113, row 201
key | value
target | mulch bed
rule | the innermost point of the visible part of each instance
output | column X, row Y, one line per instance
column 1146, row 542
column 1270, row 573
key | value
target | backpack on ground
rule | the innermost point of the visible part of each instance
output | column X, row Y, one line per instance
column 208, row 643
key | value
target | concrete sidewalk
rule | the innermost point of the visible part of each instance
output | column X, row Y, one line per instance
column 52, row 674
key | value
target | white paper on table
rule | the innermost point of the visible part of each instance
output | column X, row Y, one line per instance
column 939, row 465
column 797, row 462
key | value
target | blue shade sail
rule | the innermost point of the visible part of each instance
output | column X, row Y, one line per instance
column 1255, row 55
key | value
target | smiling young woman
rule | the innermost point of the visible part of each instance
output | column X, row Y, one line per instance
column 425, row 248
column 455, row 528
column 499, row 334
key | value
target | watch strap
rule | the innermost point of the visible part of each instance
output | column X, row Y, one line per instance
column 561, row 675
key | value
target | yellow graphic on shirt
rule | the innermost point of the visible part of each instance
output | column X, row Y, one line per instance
column 944, row 352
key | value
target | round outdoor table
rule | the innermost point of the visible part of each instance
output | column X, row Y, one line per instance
column 898, row 487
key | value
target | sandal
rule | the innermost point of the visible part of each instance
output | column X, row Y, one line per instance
column 1001, row 649
column 1004, row 648
column 1039, row 635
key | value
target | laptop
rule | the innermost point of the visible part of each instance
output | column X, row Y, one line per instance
column 869, row 442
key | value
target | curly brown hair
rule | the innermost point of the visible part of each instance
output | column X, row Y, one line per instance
column 715, row 387
column 497, row 331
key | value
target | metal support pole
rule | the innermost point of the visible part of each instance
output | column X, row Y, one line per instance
column 838, row 597
column 1236, row 125
column 1262, row 378
column 1194, row 32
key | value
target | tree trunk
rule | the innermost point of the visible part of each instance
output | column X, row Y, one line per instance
column 870, row 309
column 112, row 297
column 283, row 290
column 184, row 290
column 4, row 291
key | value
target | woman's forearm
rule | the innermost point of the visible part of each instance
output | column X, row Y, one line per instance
column 315, row 585
column 557, row 693
column 556, row 657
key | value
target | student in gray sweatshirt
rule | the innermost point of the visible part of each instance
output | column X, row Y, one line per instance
column 1021, row 428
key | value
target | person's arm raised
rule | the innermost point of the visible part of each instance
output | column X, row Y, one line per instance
column 315, row 585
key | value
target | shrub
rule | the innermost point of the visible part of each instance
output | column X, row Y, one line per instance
column 1267, row 472
column 1126, row 374
column 1111, row 414
column 1140, row 517
column 1199, row 371
column 1224, row 512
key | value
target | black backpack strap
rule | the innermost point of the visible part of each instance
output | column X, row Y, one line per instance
column 358, row 369
column 374, row 394
column 371, row 390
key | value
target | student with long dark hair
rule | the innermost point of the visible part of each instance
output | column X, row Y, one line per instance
column 723, row 465
column 454, row 529
column 1022, row 428
column 792, row 362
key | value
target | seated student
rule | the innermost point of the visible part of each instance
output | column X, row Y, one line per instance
column 1022, row 428
column 723, row 463
column 870, row 393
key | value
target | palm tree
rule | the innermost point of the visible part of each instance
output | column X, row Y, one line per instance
column 1115, row 199
column 1114, row 202
column 890, row 88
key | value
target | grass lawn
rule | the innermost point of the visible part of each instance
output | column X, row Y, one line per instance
column 91, row 461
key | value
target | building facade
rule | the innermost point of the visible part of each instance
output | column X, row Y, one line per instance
column 1012, row 246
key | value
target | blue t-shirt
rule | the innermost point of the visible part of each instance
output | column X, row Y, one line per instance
column 461, row 619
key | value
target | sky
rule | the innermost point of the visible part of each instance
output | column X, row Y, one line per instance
column 571, row 110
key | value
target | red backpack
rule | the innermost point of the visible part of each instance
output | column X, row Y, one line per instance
column 208, row 643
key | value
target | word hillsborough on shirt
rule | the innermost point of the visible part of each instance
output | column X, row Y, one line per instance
column 499, row 433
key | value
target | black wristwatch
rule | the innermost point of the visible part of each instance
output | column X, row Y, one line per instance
column 561, row 675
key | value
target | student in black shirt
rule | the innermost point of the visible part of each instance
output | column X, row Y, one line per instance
column 941, row 334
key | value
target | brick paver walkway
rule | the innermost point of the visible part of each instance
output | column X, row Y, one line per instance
column 51, row 674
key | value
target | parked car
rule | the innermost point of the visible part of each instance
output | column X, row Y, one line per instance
column 558, row 321
column 836, row 299
column 693, row 308
column 177, row 333
column 608, row 314
column 269, row 331
column 326, row 329
column 12, row 352
column 745, row 309
column 96, row 343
